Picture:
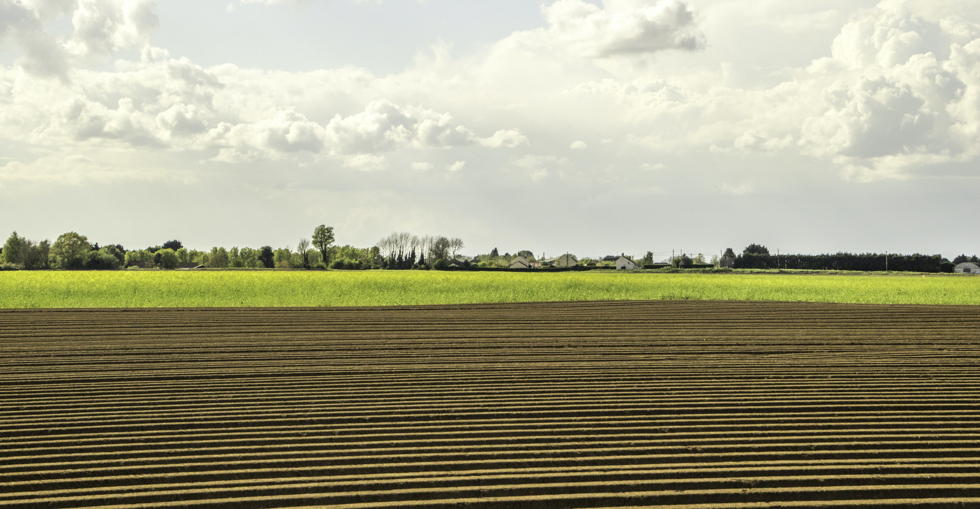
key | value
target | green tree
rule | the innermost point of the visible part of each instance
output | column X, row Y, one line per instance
column 218, row 258
column 729, row 254
column 648, row 258
column 267, row 257
column 322, row 238
column 183, row 255
column 69, row 251
column 35, row 256
column 755, row 249
column 283, row 258
column 168, row 259
column 439, row 250
column 12, row 249
column 106, row 258
column 682, row 262
column 173, row 245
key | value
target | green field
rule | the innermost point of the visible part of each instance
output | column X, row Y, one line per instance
column 51, row 289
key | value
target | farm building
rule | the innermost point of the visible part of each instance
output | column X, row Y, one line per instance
column 519, row 262
column 624, row 263
column 189, row 265
column 967, row 268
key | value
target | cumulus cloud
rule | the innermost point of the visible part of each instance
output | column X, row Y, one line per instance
column 386, row 126
column 508, row 138
column 43, row 55
column 905, row 99
column 578, row 145
column 100, row 28
column 458, row 165
column 422, row 166
column 103, row 26
column 620, row 27
column 286, row 132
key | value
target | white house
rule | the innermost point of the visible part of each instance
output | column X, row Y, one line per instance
column 624, row 263
column 967, row 268
column 566, row 261
column 519, row 262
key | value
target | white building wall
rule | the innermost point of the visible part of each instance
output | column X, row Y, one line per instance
column 967, row 268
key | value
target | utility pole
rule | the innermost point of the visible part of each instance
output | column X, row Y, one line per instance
column 886, row 261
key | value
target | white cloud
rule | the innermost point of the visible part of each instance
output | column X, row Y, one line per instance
column 103, row 26
column 753, row 141
column 366, row 162
column 43, row 56
column 509, row 138
column 286, row 132
column 385, row 126
column 578, row 145
column 620, row 28
column 458, row 165
column 423, row 166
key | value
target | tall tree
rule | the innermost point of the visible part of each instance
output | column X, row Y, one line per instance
column 303, row 247
column 756, row 249
column 69, row 250
column 439, row 249
column 322, row 238
column 12, row 249
column 729, row 254
column 267, row 257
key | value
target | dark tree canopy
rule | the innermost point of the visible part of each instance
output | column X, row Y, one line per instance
column 267, row 256
column 756, row 249
column 173, row 245
column 729, row 254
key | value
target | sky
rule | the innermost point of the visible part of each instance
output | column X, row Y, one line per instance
column 589, row 127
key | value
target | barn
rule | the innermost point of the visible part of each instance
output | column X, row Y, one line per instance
column 967, row 268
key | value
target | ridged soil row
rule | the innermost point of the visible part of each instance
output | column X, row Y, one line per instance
column 538, row 405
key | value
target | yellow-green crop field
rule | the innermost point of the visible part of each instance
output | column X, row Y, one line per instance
column 126, row 289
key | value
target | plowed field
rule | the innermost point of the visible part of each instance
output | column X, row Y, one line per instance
column 551, row 405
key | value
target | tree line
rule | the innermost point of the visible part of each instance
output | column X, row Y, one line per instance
column 405, row 251
column 756, row 256
column 74, row 251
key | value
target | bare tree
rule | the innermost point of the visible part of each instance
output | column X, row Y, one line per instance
column 455, row 244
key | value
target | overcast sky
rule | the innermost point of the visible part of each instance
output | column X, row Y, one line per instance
column 594, row 127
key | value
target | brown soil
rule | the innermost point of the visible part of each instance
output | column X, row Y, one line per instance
column 551, row 405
